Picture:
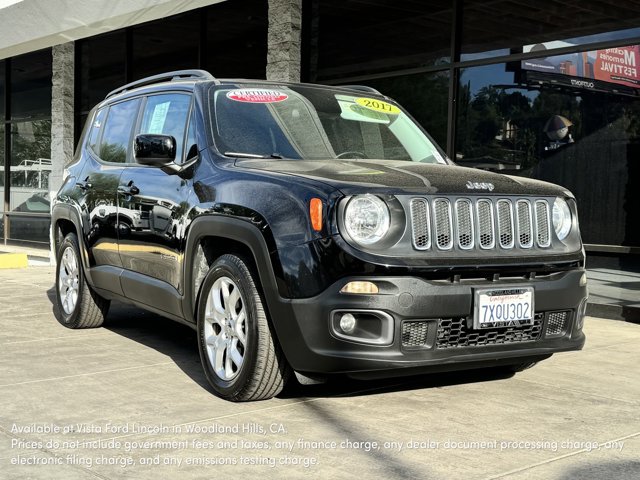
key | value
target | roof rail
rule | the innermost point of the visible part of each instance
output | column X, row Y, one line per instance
column 362, row 88
column 164, row 77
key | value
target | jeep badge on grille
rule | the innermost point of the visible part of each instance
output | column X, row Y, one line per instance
column 480, row 186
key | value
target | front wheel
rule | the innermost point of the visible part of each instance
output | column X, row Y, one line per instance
column 238, row 349
column 79, row 306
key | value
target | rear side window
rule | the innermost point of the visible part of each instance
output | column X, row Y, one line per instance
column 167, row 115
column 96, row 128
column 116, row 138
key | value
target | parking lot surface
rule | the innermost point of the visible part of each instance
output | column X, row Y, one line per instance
column 129, row 400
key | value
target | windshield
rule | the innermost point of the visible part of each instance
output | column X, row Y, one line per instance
column 315, row 123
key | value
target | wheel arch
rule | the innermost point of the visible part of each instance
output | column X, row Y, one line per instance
column 210, row 237
column 64, row 220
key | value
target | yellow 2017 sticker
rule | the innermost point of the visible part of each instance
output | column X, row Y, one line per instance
column 378, row 106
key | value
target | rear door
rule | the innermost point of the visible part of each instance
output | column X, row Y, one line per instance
column 109, row 148
column 155, row 203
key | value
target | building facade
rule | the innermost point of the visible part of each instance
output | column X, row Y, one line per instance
column 544, row 89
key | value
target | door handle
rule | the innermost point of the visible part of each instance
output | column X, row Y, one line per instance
column 129, row 189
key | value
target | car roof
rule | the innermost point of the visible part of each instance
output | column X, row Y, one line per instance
column 187, row 80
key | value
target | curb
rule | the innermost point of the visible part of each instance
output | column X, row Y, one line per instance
column 14, row 260
column 614, row 312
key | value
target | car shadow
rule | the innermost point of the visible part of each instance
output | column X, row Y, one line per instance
column 179, row 343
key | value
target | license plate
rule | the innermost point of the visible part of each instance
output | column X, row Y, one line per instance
column 505, row 307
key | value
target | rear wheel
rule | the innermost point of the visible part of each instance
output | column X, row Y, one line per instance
column 79, row 306
column 238, row 349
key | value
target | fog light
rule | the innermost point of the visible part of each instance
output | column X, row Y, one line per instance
column 366, row 288
column 347, row 323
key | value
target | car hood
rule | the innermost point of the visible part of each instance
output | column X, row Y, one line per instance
column 398, row 177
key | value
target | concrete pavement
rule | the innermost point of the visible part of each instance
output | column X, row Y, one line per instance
column 130, row 401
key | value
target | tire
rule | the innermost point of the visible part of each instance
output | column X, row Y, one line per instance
column 78, row 305
column 241, row 357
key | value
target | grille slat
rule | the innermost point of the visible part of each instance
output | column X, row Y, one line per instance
column 525, row 227
column 464, row 222
column 543, row 223
column 486, row 237
column 420, row 224
column 468, row 223
column 444, row 224
column 505, row 223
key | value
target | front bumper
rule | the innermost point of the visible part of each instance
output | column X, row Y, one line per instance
column 444, row 309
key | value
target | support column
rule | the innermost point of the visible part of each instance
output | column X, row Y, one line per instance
column 62, row 117
column 283, row 43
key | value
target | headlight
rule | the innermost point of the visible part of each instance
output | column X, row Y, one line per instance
column 561, row 218
column 367, row 219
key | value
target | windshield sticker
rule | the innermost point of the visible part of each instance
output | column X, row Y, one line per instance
column 158, row 118
column 378, row 106
column 255, row 95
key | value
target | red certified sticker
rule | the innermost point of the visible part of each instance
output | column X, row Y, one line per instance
column 255, row 95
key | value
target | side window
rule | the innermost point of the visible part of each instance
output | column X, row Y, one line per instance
column 167, row 115
column 116, row 138
column 96, row 128
column 191, row 147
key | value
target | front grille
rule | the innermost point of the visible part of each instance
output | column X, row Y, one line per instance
column 454, row 333
column 468, row 223
column 414, row 334
column 557, row 323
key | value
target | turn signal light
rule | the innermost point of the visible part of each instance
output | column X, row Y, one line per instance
column 315, row 213
column 366, row 288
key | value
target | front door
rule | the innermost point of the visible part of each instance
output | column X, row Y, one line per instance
column 154, row 204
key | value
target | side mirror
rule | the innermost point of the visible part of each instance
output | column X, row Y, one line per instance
column 154, row 150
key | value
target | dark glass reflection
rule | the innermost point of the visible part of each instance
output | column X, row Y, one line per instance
column 116, row 138
column 236, row 45
column 501, row 27
column 165, row 45
column 101, row 68
column 582, row 136
column 424, row 95
column 352, row 38
column 31, row 85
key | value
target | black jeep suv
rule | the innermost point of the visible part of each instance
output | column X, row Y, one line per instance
column 310, row 229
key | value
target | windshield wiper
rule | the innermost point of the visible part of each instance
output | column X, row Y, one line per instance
column 251, row 155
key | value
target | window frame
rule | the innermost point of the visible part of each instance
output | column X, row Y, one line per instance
column 179, row 160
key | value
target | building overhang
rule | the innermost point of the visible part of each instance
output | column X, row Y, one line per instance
column 29, row 25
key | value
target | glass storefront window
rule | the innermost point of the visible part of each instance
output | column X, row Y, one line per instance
column 101, row 68
column 501, row 27
column 349, row 40
column 236, row 44
column 424, row 95
column 584, row 136
column 165, row 45
column 31, row 85
column 30, row 170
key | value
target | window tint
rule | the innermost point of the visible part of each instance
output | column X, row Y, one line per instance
column 117, row 131
column 96, row 128
column 167, row 115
